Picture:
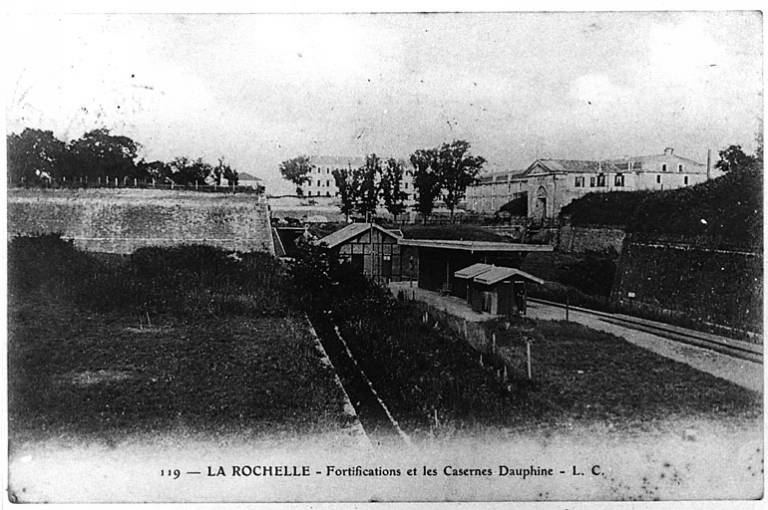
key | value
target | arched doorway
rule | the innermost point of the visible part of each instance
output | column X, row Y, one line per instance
column 540, row 205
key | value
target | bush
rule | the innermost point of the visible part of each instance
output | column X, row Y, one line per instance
column 182, row 280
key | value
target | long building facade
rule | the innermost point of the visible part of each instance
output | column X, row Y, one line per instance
column 323, row 185
column 548, row 185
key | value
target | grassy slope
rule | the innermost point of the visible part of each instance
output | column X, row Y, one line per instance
column 83, row 372
column 418, row 368
column 590, row 376
column 459, row 232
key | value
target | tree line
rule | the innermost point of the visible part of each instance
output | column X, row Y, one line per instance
column 439, row 173
column 37, row 157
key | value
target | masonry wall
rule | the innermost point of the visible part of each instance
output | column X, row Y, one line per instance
column 716, row 288
column 582, row 239
column 122, row 220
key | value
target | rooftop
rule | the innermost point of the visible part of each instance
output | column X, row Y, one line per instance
column 337, row 160
column 495, row 274
column 472, row 271
column 474, row 246
column 351, row 231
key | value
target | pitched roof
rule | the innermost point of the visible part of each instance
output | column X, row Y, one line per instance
column 245, row 176
column 495, row 274
column 472, row 271
column 574, row 165
column 654, row 158
column 351, row 231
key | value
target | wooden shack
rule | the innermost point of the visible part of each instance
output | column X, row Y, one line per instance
column 496, row 290
column 463, row 279
column 369, row 249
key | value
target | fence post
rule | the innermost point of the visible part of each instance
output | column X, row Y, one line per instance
column 528, row 355
column 567, row 304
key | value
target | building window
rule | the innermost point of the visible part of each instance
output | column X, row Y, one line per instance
column 579, row 182
column 658, row 179
column 618, row 181
column 406, row 185
column 685, row 180
column 592, row 182
column 664, row 167
column 600, row 180
column 679, row 168
column 327, row 184
column 327, row 193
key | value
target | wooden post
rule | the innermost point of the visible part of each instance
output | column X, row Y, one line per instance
column 528, row 354
column 567, row 305
column 493, row 343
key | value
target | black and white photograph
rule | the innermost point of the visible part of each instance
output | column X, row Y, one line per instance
column 371, row 256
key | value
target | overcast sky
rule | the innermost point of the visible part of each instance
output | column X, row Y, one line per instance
column 259, row 89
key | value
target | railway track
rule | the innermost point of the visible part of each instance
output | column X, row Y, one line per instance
column 735, row 348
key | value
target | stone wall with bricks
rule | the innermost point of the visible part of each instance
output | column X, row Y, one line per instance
column 122, row 220
column 582, row 239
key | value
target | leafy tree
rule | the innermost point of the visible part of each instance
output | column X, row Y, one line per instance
column 223, row 170
column 348, row 194
column 733, row 160
column 296, row 170
column 426, row 180
column 32, row 155
column 189, row 172
column 457, row 169
column 100, row 154
column 365, row 180
column 391, row 187
column 231, row 175
column 154, row 170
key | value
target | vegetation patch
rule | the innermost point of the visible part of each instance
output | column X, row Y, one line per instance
column 434, row 383
column 224, row 352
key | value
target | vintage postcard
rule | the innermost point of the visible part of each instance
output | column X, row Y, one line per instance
column 357, row 257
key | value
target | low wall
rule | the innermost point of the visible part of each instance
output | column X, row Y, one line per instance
column 718, row 289
column 122, row 220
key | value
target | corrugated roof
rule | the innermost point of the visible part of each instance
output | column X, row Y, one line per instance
column 472, row 246
column 472, row 271
column 498, row 273
column 350, row 231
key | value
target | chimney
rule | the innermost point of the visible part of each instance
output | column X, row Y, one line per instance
column 668, row 151
column 709, row 164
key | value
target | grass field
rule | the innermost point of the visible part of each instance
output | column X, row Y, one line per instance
column 182, row 358
column 582, row 377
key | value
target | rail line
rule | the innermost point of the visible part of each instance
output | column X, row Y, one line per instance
column 728, row 346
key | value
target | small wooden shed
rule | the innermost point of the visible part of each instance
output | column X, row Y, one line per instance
column 496, row 290
column 369, row 249
column 463, row 279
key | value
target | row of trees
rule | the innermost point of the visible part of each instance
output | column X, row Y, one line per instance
column 440, row 173
column 37, row 157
